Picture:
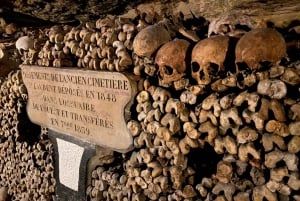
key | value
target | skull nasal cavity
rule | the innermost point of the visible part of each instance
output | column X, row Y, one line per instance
column 195, row 67
column 168, row 70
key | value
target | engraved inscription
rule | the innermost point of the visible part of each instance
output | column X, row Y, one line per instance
column 86, row 104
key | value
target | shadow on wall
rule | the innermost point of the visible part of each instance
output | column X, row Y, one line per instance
column 29, row 131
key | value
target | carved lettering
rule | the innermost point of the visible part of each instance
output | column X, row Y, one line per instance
column 86, row 104
column 109, row 83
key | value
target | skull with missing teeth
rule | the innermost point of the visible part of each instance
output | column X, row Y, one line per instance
column 208, row 57
column 171, row 61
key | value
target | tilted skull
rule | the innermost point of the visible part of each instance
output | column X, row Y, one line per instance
column 171, row 60
column 259, row 48
column 149, row 39
column 208, row 57
column 231, row 24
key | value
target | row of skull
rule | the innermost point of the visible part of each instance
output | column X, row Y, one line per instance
column 208, row 58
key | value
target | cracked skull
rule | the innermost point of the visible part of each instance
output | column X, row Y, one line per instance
column 259, row 48
column 171, row 60
column 208, row 57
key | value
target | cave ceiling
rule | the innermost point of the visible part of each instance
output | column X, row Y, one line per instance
column 42, row 12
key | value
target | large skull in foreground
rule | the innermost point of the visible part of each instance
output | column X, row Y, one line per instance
column 259, row 47
column 171, row 59
column 208, row 57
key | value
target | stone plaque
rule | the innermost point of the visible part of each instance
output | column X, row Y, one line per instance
column 90, row 105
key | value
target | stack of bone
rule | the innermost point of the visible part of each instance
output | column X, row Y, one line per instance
column 102, row 45
column 216, row 116
column 26, row 162
column 214, row 119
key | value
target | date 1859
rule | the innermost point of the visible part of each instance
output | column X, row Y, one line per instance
column 70, row 126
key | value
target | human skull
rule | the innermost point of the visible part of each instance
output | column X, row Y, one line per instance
column 258, row 48
column 208, row 57
column 24, row 43
column 149, row 39
column 171, row 60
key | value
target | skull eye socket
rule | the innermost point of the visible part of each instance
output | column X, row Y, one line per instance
column 214, row 68
column 242, row 66
column 195, row 67
column 265, row 65
column 168, row 70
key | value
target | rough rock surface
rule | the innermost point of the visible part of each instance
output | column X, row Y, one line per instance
column 276, row 11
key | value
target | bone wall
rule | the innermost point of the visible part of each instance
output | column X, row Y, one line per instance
column 203, row 130
column 26, row 162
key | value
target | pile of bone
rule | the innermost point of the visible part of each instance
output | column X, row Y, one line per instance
column 26, row 163
column 103, row 45
column 108, row 184
column 257, row 136
column 9, row 57
column 19, row 45
column 9, row 30
column 234, row 96
column 258, row 153
column 109, row 43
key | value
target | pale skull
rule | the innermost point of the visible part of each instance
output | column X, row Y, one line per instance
column 259, row 48
column 231, row 24
column 208, row 57
column 171, row 60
